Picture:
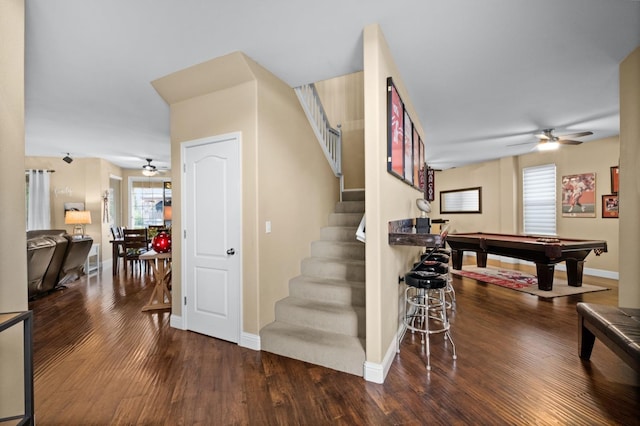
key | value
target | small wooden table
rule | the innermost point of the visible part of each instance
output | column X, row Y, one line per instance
column 160, row 296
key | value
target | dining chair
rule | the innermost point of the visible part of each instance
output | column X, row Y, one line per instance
column 136, row 242
column 116, row 233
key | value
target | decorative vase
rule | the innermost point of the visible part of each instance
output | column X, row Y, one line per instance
column 161, row 243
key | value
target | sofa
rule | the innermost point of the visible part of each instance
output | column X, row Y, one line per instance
column 54, row 258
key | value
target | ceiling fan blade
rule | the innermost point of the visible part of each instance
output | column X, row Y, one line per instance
column 575, row 135
column 542, row 136
column 522, row 143
column 569, row 142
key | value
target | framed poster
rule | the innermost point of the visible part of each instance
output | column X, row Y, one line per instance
column 416, row 158
column 408, row 148
column 610, row 206
column 395, row 131
column 615, row 179
column 404, row 159
column 579, row 195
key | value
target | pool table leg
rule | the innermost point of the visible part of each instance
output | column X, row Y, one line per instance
column 481, row 259
column 574, row 272
column 458, row 255
column 545, row 276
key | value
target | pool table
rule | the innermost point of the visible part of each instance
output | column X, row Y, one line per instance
column 545, row 252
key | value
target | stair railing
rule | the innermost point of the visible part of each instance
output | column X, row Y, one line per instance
column 330, row 139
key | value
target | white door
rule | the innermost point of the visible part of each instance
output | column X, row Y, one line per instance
column 211, row 192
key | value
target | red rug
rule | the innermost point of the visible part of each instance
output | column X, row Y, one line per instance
column 523, row 282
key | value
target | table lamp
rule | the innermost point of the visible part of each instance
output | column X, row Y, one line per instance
column 78, row 218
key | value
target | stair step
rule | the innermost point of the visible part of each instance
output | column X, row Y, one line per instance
column 338, row 249
column 328, row 290
column 331, row 317
column 345, row 219
column 353, row 195
column 341, row 269
column 350, row 207
column 339, row 233
column 336, row 351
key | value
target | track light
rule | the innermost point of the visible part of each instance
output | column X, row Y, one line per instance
column 67, row 159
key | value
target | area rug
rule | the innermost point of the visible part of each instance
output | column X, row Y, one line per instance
column 521, row 281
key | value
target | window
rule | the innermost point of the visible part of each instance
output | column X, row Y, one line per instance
column 146, row 201
column 539, row 199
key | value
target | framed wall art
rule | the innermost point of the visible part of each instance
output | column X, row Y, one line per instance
column 610, row 206
column 579, row 195
column 615, row 179
column 395, row 132
column 408, row 149
column 416, row 159
column 405, row 150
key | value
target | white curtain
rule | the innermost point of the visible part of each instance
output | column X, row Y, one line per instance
column 39, row 211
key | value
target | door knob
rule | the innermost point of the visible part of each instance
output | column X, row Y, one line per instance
column 231, row 251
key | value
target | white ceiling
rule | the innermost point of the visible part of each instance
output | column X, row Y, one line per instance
column 482, row 75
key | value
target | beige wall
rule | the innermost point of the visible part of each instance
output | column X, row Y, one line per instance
column 387, row 199
column 13, row 263
column 84, row 180
column 285, row 176
column 629, row 287
column 343, row 101
column 501, row 195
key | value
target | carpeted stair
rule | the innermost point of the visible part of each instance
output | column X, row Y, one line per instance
column 323, row 319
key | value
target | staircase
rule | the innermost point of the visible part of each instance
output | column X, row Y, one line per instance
column 323, row 319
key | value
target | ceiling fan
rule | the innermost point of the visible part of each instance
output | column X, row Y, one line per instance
column 149, row 169
column 549, row 141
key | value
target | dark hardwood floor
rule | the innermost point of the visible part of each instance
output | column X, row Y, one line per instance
column 99, row 360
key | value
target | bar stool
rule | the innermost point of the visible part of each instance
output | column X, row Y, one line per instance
column 441, row 257
column 425, row 302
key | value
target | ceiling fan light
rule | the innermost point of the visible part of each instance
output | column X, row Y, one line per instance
column 548, row 146
column 148, row 172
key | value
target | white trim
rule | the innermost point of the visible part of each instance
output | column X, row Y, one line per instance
column 183, row 256
column 250, row 341
column 112, row 176
column 376, row 373
column 175, row 321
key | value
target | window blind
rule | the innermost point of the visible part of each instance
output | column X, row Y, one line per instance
column 539, row 199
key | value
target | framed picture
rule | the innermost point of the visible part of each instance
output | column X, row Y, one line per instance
column 395, row 131
column 416, row 159
column 78, row 207
column 579, row 195
column 615, row 179
column 408, row 149
column 404, row 159
column 610, row 206
column 467, row 200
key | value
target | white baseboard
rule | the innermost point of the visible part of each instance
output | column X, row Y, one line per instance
column 250, row 341
column 175, row 321
column 376, row 373
column 247, row 340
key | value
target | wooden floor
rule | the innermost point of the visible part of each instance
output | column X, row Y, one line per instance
column 99, row 360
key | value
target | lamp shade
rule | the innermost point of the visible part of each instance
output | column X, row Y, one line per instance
column 77, row 217
column 167, row 212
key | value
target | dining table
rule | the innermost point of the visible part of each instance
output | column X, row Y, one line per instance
column 161, row 265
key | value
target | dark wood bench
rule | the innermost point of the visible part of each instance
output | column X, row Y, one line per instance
column 617, row 328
